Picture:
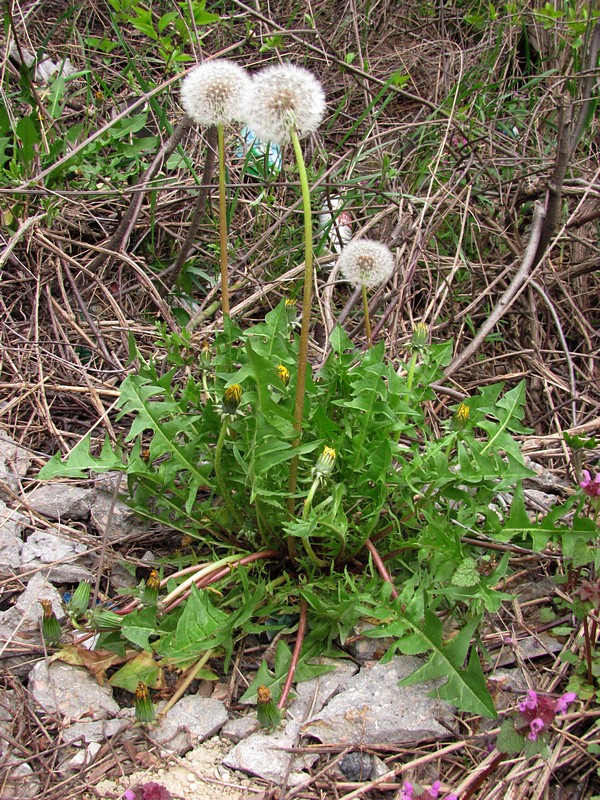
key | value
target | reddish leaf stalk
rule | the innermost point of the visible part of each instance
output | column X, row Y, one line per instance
column 295, row 655
column 207, row 580
column 381, row 568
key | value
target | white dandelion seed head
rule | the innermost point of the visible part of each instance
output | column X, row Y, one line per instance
column 214, row 92
column 284, row 97
column 366, row 263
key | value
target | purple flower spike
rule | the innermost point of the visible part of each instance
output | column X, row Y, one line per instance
column 536, row 726
column 406, row 791
column 451, row 797
column 564, row 700
column 435, row 788
column 590, row 486
column 530, row 703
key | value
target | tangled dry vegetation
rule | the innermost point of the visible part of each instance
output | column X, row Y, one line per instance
column 446, row 140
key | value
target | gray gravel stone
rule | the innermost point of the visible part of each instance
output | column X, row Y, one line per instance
column 61, row 689
column 96, row 731
column 357, row 766
column 19, row 782
column 191, row 720
column 61, row 501
column 14, row 462
column 542, row 644
column 240, row 728
column 20, row 626
column 42, row 549
column 374, row 709
column 266, row 756
column 124, row 524
column 11, row 543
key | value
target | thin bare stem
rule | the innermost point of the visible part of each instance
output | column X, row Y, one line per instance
column 304, row 330
column 381, row 568
column 366, row 315
column 223, row 224
column 295, row 655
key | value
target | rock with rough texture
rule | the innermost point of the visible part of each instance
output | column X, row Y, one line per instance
column 240, row 728
column 70, row 692
column 191, row 720
column 11, row 543
column 121, row 524
column 542, row 644
column 14, row 462
column 374, row 709
column 20, row 626
column 81, row 758
column 61, row 501
column 19, row 782
column 94, row 731
column 265, row 754
column 42, row 549
column 357, row 766
column 364, row 648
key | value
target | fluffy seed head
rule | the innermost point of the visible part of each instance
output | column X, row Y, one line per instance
column 366, row 263
column 284, row 97
column 214, row 92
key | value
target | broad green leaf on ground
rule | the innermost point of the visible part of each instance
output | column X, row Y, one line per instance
column 79, row 461
column 462, row 687
column 283, row 658
column 139, row 625
column 141, row 668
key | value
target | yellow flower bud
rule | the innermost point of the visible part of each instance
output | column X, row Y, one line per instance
column 231, row 399
column 284, row 374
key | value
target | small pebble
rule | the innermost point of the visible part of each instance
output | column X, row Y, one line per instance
column 357, row 766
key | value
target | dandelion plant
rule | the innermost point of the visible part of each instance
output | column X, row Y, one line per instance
column 287, row 103
column 213, row 93
column 366, row 264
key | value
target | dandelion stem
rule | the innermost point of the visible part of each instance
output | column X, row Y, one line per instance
column 308, row 276
column 306, row 309
column 295, row 655
column 381, row 568
column 219, row 475
column 367, row 317
column 223, row 222
column 192, row 672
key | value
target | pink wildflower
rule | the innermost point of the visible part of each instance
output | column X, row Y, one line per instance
column 407, row 791
column 530, row 703
column 590, row 486
column 564, row 700
column 435, row 788
column 536, row 725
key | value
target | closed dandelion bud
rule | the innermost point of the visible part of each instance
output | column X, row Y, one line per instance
column 100, row 619
column 420, row 334
column 205, row 353
column 144, row 709
column 283, row 98
column 267, row 712
column 284, row 374
column 231, row 399
column 325, row 462
column 151, row 587
column 461, row 416
column 80, row 600
column 214, row 93
column 366, row 263
column 50, row 625
column 291, row 310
